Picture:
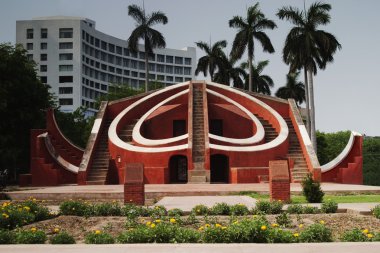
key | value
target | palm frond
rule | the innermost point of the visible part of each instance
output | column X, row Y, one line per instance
column 157, row 17
column 137, row 14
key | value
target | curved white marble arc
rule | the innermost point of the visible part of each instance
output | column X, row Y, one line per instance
column 257, row 137
column 282, row 136
column 332, row 164
column 137, row 137
column 114, row 138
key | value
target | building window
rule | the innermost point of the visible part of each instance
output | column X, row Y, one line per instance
column 65, row 57
column 119, row 50
column 111, row 48
column 65, row 45
column 29, row 57
column 65, row 32
column 43, row 68
column 178, row 60
column 160, row 58
column 169, row 69
column 187, row 61
column 29, row 46
column 141, row 65
column 65, row 79
column 44, row 33
column 65, row 67
column 169, row 59
column 65, row 101
column 43, row 46
column 187, row 71
column 160, row 68
column 29, row 33
column 43, row 79
column 178, row 70
column 179, row 79
column 160, row 77
column 65, row 90
column 43, row 57
column 104, row 45
column 169, row 78
column 142, row 55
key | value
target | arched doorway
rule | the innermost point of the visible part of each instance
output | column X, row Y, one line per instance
column 178, row 169
column 219, row 169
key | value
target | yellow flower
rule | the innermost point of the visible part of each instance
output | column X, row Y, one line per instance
column 172, row 220
column 198, row 210
column 274, row 225
column 218, row 225
column 6, row 216
column 158, row 221
column 56, row 230
column 34, row 200
column 295, row 234
column 236, row 222
column 98, row 232
column 300, row 225
column 148, row 223
column 240, row 204
column 207, row 225
column 369, row 236
column 27, row 208
column 224, row 228
column 263, row 227
column 365, row 231
column 322, row 222
column 157, row 207
column 152, row 225
column 33, row 229
column 200, row 228
column 254, row 216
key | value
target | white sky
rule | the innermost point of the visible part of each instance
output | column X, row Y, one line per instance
column 347, row 93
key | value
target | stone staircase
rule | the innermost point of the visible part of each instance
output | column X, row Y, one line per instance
column 100, row 161
column 300, row 170
column 67, row 154
column 198, row 174
column 126, row 133
column 270, row 132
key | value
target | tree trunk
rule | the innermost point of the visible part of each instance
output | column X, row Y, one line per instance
column 250, row 72
column 312, row 111
column 146, row 71
column 307, row 101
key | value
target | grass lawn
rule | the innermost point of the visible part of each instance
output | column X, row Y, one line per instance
column 299, row 199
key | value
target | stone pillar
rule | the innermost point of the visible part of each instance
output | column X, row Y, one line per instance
column 134, row 188
column 279, row 180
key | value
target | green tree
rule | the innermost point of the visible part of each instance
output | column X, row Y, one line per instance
column 250, row 29
column 144, row 31
column 292, row 89
column 229, row 72
column 261, row 83
column 23, row 99
column 309, row 48
column 371, row 160
column 330, row 145
column 213, row 60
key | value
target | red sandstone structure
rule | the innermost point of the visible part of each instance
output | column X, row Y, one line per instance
column 192, row 132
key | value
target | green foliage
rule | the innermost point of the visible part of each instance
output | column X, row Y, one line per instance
column 158, row 212
column 39, row 211
column 312, row 190
column 239, row 210
column 6, row 237
column 371, row 161
column 220, row 209
column 23, row 99
column 175, row 212
column 355, row 235
column 32, row 236
column 279, row 235
column 200, row 210
column 376, row 211
column 295, row 209
column 62, row 238
column 329, row 206
column 75, row 207
column 316, row 233
column 330, row 145
column 132, row 211
column 107, row 209
column 99, row 237
column 276, row 206
column 310, row 209
column 249, row 231
column 269, row 207
column 140, row 234
column 215, row 234
column 284, row 220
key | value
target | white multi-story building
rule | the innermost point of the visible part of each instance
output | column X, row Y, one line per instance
column 80, row 63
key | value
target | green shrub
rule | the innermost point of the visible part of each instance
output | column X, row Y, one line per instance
column 39, row 211
column 312, row 190
column 329, row 206
column 62, row 238
column 76, row 207
column 263, row 206
column 15, row 217
column 215, row 234
column 6, row 237
column 107, row 209
column 310, row 209
column 140, row 234
column 376, row 211
column 220, row 209
column 239, row 210
column 355, row 235
column 186, row 235
column 295, row 209
column 283, row 220
column 99, row 237
column 158, row 212
column 175, row 212
column 276, row 206
column 32, row 236
column 278, row 235
column 249, row 231
column 132, row 211
column 200, row 210
column 316, row 233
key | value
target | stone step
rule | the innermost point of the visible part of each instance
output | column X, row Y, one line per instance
column 199, row 165
column 198, row 180
column 95, row 182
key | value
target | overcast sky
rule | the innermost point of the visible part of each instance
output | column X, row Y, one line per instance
column 347, row 93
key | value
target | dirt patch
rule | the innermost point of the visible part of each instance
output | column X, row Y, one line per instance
column 80, row 226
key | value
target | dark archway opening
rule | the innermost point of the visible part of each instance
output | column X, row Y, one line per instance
column 178, row 169
column 219, row 169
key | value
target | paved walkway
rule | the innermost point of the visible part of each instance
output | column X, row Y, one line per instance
column 373, row 247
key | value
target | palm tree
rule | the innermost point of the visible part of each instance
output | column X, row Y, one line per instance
column 250, row 29
column 309, row 48
column 228, row 72
column 152, row 38
column 213, row 60
column 261, row 83
column 293, row 89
